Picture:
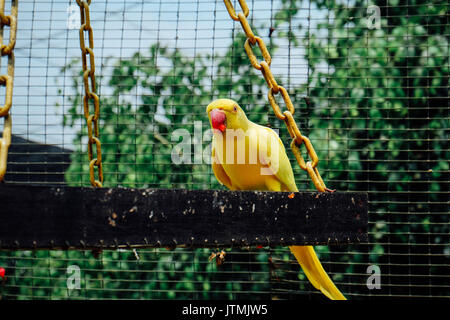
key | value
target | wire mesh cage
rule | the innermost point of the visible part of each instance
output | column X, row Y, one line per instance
column 369, row 80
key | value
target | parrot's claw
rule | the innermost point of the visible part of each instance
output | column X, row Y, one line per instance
column 219, row 256
column 96, row 253
column 330, row 190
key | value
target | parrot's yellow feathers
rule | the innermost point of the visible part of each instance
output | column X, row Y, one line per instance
column 223, row 104
column 243, row 161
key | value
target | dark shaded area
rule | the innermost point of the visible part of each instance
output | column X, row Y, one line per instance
column 32, row 162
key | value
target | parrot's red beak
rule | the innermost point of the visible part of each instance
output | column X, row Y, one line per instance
column 218, row 119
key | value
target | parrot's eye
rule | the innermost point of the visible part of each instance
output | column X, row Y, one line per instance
column 235, row 109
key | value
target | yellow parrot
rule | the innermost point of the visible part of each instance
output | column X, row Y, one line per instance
column 248, row 156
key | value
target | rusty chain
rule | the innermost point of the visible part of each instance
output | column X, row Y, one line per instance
column 274, row 88
column 90, row 95
column 7, row 80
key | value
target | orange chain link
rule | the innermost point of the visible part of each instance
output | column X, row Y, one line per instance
column 274, row 88
column 90, row 89
column 7, row 80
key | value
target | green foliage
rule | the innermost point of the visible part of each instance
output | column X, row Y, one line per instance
column 153, row 274
column 383, row 100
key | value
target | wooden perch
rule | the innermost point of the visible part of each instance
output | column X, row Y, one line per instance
column 38, row 217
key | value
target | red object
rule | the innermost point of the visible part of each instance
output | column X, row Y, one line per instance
column 2, row 272
column 218, row 119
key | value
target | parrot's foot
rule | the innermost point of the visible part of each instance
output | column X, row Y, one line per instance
column 96, row 253
column 329, row 190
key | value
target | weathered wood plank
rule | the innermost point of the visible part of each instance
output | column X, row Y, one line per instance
column 86, row 218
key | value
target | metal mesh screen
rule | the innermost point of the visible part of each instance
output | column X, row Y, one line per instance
column 376, row 74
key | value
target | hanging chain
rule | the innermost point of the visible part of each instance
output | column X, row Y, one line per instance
column 7, row 80
column 274, row 88
column 90, row 89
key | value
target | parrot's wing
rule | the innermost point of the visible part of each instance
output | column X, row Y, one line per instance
column 219, row 172
column 273, row 153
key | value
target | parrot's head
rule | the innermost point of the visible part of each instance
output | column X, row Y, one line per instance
column 226, row 114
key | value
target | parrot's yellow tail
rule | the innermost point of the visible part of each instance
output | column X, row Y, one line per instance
column 313, row 269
